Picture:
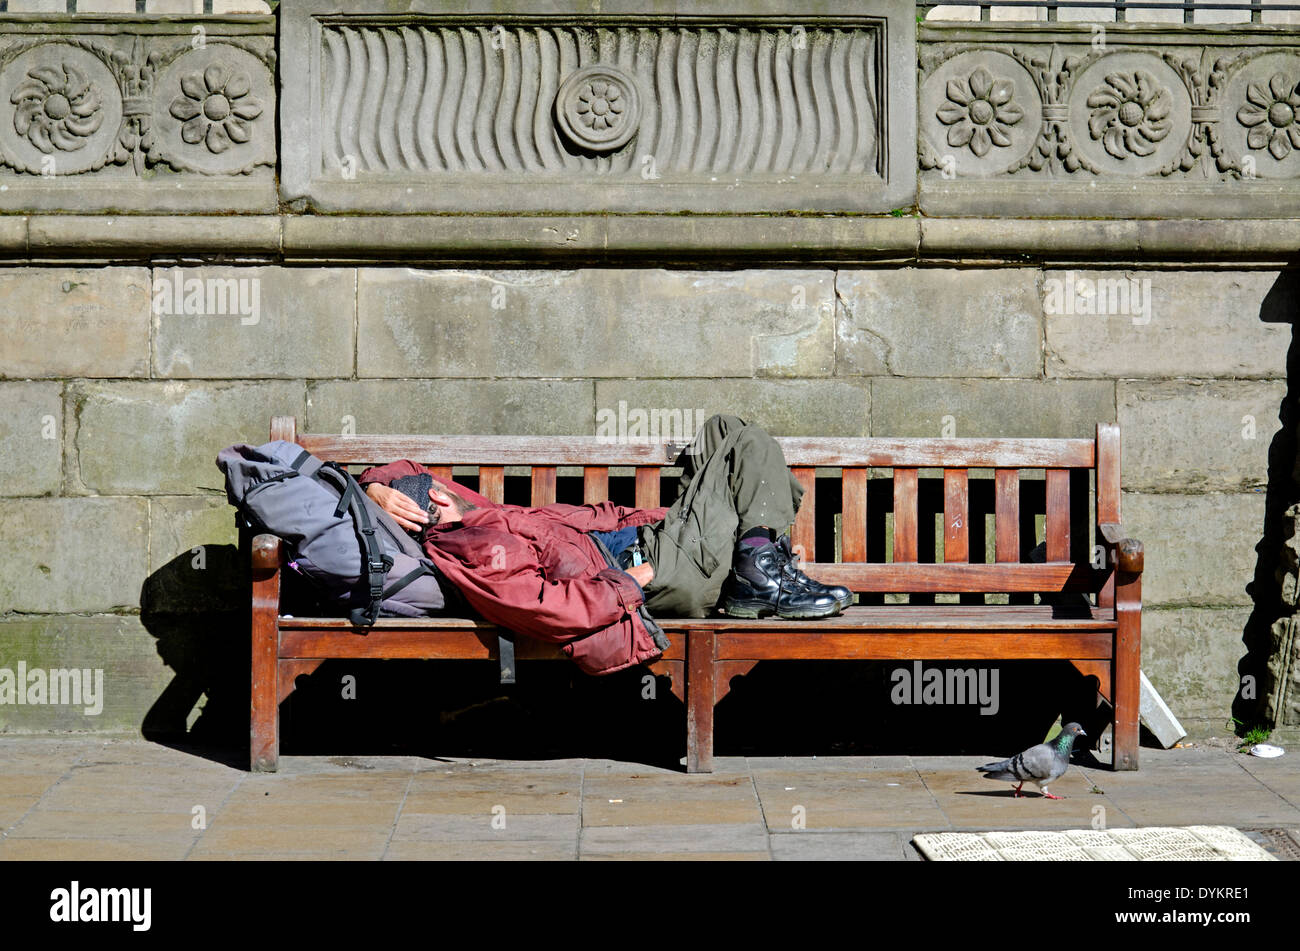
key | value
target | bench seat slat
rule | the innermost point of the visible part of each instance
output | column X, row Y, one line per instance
column 913, row 644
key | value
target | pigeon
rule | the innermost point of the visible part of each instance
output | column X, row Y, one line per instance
column 1040, row 765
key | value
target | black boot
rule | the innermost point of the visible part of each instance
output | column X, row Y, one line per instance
column 761, row 584
column 840, row 593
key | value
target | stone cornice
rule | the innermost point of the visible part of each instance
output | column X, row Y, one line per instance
column 648, row 240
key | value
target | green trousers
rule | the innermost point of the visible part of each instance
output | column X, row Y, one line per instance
column 734, row 478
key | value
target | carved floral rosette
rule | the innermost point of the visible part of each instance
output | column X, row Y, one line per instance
column 71, row 105
column 1113, row 110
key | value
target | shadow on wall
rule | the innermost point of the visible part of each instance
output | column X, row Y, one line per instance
column 1281, row 306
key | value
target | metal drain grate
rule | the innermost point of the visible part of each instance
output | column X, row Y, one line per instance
column 1283, row 845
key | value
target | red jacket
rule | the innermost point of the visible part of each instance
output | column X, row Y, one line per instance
column 535, row 572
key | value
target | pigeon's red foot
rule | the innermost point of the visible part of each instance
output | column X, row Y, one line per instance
column 1048, row 795
column 1015, row 793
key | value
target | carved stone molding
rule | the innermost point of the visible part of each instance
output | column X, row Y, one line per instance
column 697, row 106
column 137, row 113
column 1127, row 121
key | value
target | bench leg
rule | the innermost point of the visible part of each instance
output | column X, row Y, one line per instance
column 700, row 692
column 264, row 733
column 1127, row 686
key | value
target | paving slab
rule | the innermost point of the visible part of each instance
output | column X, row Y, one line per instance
column 488, row 826
column 704, row 837
column 638, row 811
column 541, row 851
column 839, row 846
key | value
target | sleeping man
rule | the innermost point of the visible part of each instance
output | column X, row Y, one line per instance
column 594, row 577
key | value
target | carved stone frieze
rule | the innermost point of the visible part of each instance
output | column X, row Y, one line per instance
column 757, row 109
column 1207, row 117
column 124, row 113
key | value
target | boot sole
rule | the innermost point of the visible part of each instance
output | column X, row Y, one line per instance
column 761, row 609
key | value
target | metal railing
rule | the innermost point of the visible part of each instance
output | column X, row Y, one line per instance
column 1122, row 8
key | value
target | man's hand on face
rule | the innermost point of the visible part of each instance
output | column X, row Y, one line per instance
column 401, row 507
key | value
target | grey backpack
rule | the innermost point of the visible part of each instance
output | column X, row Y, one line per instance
column 357, row 558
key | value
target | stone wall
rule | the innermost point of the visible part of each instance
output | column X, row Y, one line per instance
column 115, row 407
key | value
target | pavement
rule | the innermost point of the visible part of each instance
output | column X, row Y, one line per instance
column 94, row 798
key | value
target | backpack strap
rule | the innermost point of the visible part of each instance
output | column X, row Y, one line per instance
column 377, row 563
column 506, row 657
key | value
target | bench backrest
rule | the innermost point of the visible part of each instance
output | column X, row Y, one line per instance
column 893, row 528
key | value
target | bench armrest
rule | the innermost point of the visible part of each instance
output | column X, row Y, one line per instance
column 266, row 550
column 1127, row 552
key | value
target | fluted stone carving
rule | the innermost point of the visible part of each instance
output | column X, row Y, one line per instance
column 595, row 112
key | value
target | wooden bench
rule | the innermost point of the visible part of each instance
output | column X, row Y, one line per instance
column 1089, row 609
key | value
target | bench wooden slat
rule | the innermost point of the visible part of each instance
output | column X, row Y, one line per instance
column 954, row 577
column 913, row 644
column 1006, row 515
column 886, row 617
column 853, row 517
column 1057, row 521
column 647, row 487
column 595, row 484
column 543, row 486
column 492, row 483
column 441, row 472
column 905, row 524
column 956, row 515
column 799, row 451
column 803, row 536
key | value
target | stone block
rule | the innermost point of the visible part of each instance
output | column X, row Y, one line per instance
column 74, row 322
column 163, row 438
column 939, row 322
column 1152, row 324
column 595, row 323
column 72, row 555
column 133, row 673
column 782, row 407
column 1010, row 408
column 1180, row 435
column 1200, row 549
column 498, row 407
column 193, row 555
column 31, row 438
column 1190, row 656
column 243, row 322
